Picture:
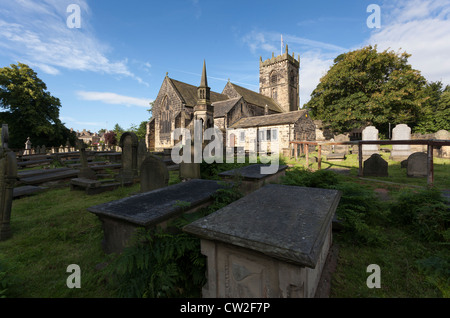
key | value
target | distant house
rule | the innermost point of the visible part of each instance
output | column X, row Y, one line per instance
column 91, row 138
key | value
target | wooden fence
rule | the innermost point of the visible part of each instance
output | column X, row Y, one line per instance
column 430, row 146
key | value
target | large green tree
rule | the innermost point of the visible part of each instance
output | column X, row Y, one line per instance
column 30, row 110
column 436, row 110
column 368, row 87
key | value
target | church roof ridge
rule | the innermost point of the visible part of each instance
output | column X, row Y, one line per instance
column 257, row 98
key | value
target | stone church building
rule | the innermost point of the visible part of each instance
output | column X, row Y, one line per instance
column 236, row 109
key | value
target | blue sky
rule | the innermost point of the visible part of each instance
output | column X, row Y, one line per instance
column 109, row 69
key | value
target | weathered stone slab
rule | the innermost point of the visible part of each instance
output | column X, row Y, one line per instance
column 120, row 218
column 375, row 166
column 271, row 243
column 26, row 190
column 36, row 172
column 251, row 177
column 91, row 186
column 59, row 175
column 31, row 163
column 417, row 164
column 336, row 156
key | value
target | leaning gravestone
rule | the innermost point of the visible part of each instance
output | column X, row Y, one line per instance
column 129, row 144
column 417, row 165
column 8, row 177
column 141, row 153
column 85, row 171
column 370, row 133
column 401, row 152
column 154, row 174
column 375, row 166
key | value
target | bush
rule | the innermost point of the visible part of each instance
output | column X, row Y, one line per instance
column 167, row 263
column 359, row 209
column 320, row 179
column 4, row 281
column 360, row 212
column 437, row 271
column 425, row 211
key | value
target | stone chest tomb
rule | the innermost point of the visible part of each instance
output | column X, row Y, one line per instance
column 271, row 243
column 121, row 218
column 251, row 176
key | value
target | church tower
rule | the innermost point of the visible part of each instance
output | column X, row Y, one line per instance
column 279, row 79
column 204, row 110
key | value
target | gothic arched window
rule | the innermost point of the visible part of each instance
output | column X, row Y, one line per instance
column 273, row 78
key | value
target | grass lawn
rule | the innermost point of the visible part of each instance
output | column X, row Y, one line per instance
column 396, row 173
column 53, row 229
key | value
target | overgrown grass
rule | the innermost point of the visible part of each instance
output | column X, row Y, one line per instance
column 396, row 173
column 407, row 236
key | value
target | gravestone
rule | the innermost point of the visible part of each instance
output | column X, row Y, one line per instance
column 417, row 165
column 272, row 243
column 141, row 153
column 443, row 151
column 342, row 149
column 190, row 170
column 27, row 147
column 85, row 171
column 401, row 152
column 121, row 218
column 370, row 133
column 129, row 171
column 154, row 174
column 8, row 177
column 375, row 166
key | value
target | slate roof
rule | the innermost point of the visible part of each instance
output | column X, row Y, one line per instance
column 270, row 120
column 221, row 108
column 188, row 93
column 257, row 99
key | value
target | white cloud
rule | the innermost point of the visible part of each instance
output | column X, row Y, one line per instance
column 422, row 29
column 37, row 32
column 113, row 98
column 313, row 66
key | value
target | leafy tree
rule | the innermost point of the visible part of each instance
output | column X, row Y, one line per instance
column 118, row 130
column 367, row 87
column 140, row 131
column 30, row 110
column 436, row 111
column 110, row 138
